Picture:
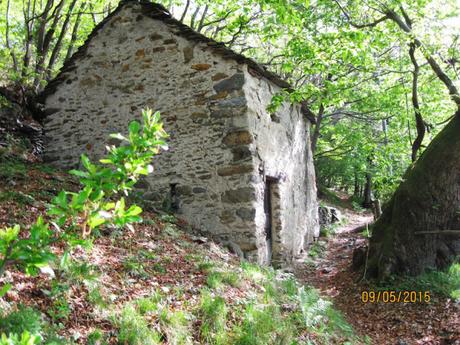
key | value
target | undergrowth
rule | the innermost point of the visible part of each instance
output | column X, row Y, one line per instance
column 442, row 283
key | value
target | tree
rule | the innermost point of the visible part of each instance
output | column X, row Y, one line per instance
column 419, row 226
column 36, row 37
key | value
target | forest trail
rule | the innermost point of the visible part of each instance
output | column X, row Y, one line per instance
column 384, row 323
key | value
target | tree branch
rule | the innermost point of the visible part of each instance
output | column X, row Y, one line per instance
column 359, row 26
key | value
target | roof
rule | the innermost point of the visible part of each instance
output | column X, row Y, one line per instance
column 158, row 12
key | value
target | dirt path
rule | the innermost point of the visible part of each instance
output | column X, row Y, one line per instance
column 437, row 322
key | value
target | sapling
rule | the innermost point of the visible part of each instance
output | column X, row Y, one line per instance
column 98, row 203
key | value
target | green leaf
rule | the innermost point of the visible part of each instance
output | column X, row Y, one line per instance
column 118, row 136
column 134, row 127
column 79, row 173
column 134, row 210
column 96, row 221
column 5, row 288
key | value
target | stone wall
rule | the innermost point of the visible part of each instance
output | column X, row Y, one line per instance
column 282, row 152
column 211, row 174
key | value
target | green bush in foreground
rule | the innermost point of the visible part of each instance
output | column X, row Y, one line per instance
column 94, row 205
column 24, row 339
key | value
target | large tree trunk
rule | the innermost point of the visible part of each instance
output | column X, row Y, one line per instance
column 367, row 202
column 420, row 227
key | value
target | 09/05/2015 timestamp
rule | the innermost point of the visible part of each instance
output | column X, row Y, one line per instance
column 395, row 296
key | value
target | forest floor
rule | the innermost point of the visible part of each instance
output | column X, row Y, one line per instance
column 329, row 270
column 156, row 285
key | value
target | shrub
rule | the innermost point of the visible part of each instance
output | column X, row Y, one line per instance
column 92, row 206
column 25, row 339
column 24, row 319
column 120, row 170
column 96, row 338
column 29, row 252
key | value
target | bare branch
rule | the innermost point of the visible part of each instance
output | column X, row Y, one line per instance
column 359, row 26
column 182, row 17
column 203, row 16
column 7, row 37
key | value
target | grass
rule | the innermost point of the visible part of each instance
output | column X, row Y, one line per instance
column 317, row 249
column 229, row 303
column 19, row 197
column 264, row 324
column 213, row 315
column 134, row 268
column 217, row 279
column 133, row 328
column 12, row 168
column 442, row 283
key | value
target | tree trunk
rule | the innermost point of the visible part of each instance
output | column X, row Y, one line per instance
column 420, row 227
column 356, row 186
column 420, row 124
column 58, row 45
column 44, row 39
column 7, row 37
column 74, row 37
column 317, row 131
column 367, row 203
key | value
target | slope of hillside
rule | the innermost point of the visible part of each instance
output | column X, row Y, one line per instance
column 156, row 285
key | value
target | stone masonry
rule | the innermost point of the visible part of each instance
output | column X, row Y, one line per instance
column 224, row 145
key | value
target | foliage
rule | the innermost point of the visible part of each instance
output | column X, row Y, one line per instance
column 443, row 283
column 24, row 339
column 88, row 209
column 24, row 319
column 319, row 315
column 93, row 207
column 31, row 252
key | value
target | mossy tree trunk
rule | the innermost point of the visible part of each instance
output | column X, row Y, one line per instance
column 420, row 227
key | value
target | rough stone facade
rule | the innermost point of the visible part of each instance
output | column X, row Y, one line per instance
column 226, row 151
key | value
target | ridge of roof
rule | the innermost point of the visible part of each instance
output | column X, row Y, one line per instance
column 159, row 12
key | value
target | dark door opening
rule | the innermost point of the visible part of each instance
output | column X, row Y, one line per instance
column 270, row 208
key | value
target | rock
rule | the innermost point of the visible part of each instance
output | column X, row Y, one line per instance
column 235, row 82
column 227, row 217
column 237, row 138
column 234, row 170
column 245, row 194
column 201, row 66
column 184, row 190
column 241, row 153
column 329, row 215
column 218, row 76
column 188, row 54
column 170, row 41
column 154, row 37
column 234, row 248
column 199, row 239
column 246, row 213
column 140, row 53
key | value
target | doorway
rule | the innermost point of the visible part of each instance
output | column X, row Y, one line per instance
column 272, row 224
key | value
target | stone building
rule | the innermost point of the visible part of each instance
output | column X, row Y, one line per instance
column 233, row 170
